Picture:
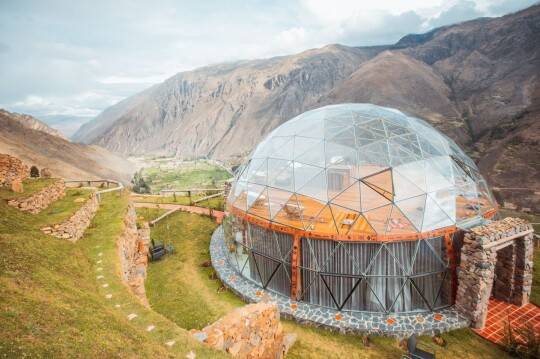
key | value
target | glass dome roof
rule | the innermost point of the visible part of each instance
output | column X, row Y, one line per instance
column 360, row 168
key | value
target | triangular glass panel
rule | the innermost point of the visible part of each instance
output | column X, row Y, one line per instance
column 323, row 223
column 446, row 200
column 344, row 137
column 434, row 217
column 361, row 226
column 241, row 201
column 253, row 192
column 381, row 183
column 403, row 187
column 303, row 144
column 426, row 260
column 310, row 208
column 315, row 187
column 430, row 147
column 280, row 174
column 398, row 295
column 370, row 198
column 338, row 180
column 413, row 208
column 313, row 156
column 304, row 173
column 403, row 253
column 260, row 206
column 439, row 173
column 373, row 158
column 281, row 147
column 349, row 198
column 291, row 214
column 378, row 218
column 255, row 165
column 285, row 245
column 341, row 158
column 404, row 149
column 376, row 295
column 393, row 129
column 429, row 286
column 276, row 200
column 344, row 218
column 398, row 223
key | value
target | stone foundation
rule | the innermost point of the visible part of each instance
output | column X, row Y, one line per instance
column 12, row 172
column 496, row 259
column 253, row 331
column 40, row 200
column 133, row 246
column 73, row 229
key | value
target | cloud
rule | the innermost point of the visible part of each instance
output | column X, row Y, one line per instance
column 58, row 60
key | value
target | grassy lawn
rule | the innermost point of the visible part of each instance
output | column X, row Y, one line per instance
column 189, row 175
column 53, row 305
column 180, row 289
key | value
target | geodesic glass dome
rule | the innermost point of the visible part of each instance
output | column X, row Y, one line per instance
column 368, row 195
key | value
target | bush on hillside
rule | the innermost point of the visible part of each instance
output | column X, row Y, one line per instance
column 34, row 172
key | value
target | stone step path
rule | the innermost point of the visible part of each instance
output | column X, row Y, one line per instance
column 131, row 316
column 500, row 312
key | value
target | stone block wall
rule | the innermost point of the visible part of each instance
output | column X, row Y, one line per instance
column 496, row 259
column 253, row 331
column 133, row 246
column 12, row 172
column 73, row 228
column 41, row 199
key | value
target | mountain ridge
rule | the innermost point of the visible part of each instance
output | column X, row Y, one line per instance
column 474, row 81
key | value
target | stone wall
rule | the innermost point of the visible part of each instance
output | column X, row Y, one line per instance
column 133, row 246
column 496, row 259
column 12, row 172
column 253, row 331
column 73, row 228
column 41, row 199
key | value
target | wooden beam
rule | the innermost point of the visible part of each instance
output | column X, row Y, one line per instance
column 296, row 256
column 501, row 242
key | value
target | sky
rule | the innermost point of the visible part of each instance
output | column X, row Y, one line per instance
column 66, row 61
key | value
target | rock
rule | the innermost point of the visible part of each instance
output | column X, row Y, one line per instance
column 17, row 186
column 439, row 340
column 253, row 331
column 79, row 200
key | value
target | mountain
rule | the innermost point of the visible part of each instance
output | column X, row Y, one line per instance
column 477, row 81
column 32, row 141
column 32, row 123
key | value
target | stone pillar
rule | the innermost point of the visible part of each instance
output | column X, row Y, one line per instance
column 475, row 280
column 523, row 269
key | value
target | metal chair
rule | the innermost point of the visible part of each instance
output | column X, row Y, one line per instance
column 414, row 352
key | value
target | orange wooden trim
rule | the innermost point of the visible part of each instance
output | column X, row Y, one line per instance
column 340, row 237
column 295, row 266
column 489, row 214
column 451, row 253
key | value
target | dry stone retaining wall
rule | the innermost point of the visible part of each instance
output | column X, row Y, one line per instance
column 12, row 172
column 253, row 331
column 133, row 251
column 40, row 200
column 495, row 259
column 73, row 228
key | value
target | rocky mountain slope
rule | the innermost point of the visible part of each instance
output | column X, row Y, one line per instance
column 477, row 81
column 32, row 123
column 64, row 159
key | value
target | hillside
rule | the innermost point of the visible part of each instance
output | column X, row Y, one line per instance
column 32, row 123
column 36, row 146
column 476, row 81
column 51, row 304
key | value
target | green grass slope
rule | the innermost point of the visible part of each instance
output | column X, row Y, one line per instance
column 181, row 289
column 53, row 305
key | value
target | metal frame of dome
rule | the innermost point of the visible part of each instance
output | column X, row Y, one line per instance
column 345, row 177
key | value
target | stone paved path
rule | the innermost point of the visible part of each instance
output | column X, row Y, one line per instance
column 499, row 312
column 218, row 215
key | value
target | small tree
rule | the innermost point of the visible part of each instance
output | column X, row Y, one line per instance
column 34, row 172
column 139, row 184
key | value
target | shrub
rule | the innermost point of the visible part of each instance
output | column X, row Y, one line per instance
column 521, row 342
column 34, row 172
